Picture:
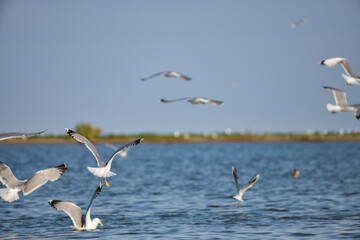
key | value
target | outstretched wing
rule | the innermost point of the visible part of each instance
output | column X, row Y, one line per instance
column 88, row 211
column 19, row 135
column 78, row 137
column 154, row 75
column 7, row 177
column 184, row 76
column 235, row 176
column 346, row 65
column 42, row 177
column 125, row 148
column 216, row 102
column 70, row 209
column 340, row 96
column 174, row 100
column 250, row 183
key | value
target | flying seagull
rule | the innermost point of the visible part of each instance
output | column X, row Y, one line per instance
column 18, row 135
column 341, row 103
column 240, row 192
column 113, row 147
column 194, row 100
column 75, row 213
column 104, row 168
column 350, row 78
column 168, row 74
column 299, row 23
column 13, row 185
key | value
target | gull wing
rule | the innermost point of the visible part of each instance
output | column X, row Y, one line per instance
column 340, row 96
column 78, row 137
column 184, row 76
column 216, row 102
column 154, row 75
column 174, row 100
column 7, row 177
column 250, row 183
column 19, row 135
column 346, row 65
column 125, row 148
column 88, row 211
column 42, row 177
column 235, row 176
column 70, row 209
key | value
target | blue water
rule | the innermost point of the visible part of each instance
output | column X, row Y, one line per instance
column 184, row 191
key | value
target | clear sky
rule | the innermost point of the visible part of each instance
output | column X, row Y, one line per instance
column 67, row 62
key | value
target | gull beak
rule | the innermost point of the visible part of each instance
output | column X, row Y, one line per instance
column 100, row 223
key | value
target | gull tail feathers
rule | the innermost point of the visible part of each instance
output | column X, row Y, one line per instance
column 101, row 172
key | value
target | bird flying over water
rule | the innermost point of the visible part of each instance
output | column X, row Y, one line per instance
column 104, row 168
column 350, row 78
column 13, row 185
column 168, row 74
column 341, row 103
column 240, row 192
column 75, row 213
column 5, row 136
column 194, row 100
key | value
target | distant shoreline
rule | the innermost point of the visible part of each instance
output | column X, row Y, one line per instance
column 221, row 138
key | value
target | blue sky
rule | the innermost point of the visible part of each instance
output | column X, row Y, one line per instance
column 67, row 62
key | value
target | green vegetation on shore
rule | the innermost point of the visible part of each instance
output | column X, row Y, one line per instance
column 191, row 138
column 94, row 135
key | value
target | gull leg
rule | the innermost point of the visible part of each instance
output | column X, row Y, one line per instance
column 333, row 112
column 107, row 184
column 100, row 183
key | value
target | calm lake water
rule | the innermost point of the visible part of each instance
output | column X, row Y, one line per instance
column 184, row 191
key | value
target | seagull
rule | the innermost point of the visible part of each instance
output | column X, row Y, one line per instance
column 341, row 103
column 299, row 23
column 18, row 135
column 168, row 74
column 194, row 100
column 296, row 173
column 75, row 213
column 240, row 192
column 13, row 185
column 104, row 168
column 350, row 78
column 113, row 147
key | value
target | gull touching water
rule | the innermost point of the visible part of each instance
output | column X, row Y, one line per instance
column 240, row 192
column 104, row 168
column 18, row 135
column 194, row 100
column 168, row 74
column 350, row 78
column 75, row 213
column 13, row 185
column 341, row 103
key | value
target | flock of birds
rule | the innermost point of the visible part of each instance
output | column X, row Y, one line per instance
column 84, row 222
column 13, row 185
column 340, row 96
column 193, row 100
